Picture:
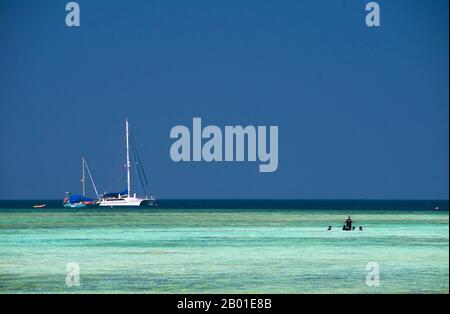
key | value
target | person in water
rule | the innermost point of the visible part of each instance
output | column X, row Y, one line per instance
column 329, row 228
column 360, row 228
column 348, row 223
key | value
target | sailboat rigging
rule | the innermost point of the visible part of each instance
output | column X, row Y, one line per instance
column 80, row 201
column 126, row 198
column 114, row 199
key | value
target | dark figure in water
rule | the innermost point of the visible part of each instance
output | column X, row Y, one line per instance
column 329, row 228
column 360, row 228
column 348, row 224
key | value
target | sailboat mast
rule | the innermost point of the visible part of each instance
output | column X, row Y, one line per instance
column 128, row 159
column 83, row 177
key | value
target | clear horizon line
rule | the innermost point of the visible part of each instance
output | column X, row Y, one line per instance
column 260, row 199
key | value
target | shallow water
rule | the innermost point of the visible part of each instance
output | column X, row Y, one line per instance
column 204, row 250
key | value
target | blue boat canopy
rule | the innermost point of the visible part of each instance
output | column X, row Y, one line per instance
column 79, row 198
column 116, row 194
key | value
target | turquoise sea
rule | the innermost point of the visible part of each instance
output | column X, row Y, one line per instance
column 226, row 247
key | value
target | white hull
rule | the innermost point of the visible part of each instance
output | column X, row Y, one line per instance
column 122, row 202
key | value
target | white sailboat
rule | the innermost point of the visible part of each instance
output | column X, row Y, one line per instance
column 125, row 198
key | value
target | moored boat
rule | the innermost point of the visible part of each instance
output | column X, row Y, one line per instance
column 81, row 201
column 126, row 198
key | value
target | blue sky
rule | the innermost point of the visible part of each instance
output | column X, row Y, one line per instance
column 362, row 112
